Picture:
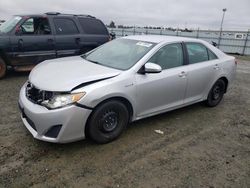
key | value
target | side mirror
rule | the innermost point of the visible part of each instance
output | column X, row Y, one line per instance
column 152, row 68
column 18, row 30
column 112, row 36
column 214, row 44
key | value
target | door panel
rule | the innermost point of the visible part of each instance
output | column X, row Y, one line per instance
column 32, row 49
column 68, row 37
column 201, row 71
column 200, row 77
column 164, row 90
column 33, row 43
column 161, row 91
column 67, row 45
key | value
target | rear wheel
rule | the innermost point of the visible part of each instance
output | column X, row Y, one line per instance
column 3, row 68
column 216, row 93
column 107, row 122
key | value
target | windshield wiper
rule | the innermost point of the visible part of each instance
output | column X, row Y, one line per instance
column 96, row 62
column 84, row 56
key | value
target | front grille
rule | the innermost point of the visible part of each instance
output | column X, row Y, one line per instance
column 36, row 95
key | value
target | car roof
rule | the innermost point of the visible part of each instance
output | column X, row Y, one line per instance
column 55, row 14
column 169, row 39
column 161, row 38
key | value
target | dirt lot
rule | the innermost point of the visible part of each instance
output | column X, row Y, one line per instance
column 201, row 147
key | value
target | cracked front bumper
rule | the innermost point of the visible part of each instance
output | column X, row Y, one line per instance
column 40, row 120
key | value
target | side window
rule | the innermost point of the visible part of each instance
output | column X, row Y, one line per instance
column 65, row 26
column 28, row 26
column 211, row 55
column 169, row 56
column 196, row 53
column 36, row 26
column 93, row 26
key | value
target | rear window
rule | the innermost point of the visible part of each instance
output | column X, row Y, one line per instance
column 196, row 53
column 211, row 55
column 93, row 26
column 65, row 26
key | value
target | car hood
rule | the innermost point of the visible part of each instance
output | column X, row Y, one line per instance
column 3, row 34
column 64, row 74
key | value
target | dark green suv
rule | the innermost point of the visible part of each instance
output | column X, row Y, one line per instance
column 26, row 40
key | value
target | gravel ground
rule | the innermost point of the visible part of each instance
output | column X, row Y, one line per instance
column 200, row 147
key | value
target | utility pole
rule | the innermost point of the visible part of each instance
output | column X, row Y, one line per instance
column 221, row 25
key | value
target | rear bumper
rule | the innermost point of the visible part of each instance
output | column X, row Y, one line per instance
column 231, row 77
column 69, row 122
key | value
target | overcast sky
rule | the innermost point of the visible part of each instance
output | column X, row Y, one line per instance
column 205, row 14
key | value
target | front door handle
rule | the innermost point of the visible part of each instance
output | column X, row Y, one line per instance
column 20, row 43
column 182, row 74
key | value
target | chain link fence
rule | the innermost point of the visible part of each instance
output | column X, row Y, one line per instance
column 235, row 42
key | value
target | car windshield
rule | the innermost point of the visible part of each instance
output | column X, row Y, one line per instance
column 10, row 24
column 120, row 53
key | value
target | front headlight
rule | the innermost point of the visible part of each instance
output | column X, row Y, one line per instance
column 60, row 100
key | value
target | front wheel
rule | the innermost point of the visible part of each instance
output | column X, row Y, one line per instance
column 107, row 122
column 216, row 93
column 3, row 68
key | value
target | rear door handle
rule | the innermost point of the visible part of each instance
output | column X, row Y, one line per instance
column 50, row 40
column 78, row 40
column 216, row 67
column 182, row 74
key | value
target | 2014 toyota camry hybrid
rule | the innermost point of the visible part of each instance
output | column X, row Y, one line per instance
column 97, row 94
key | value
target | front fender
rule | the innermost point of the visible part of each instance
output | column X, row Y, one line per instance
column 111, row 88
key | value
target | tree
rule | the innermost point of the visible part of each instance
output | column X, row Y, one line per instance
column 112, row 24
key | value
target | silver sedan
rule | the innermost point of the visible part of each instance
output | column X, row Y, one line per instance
column 97, row 94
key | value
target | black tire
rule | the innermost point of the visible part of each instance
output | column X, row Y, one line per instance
column 3, row 68
column 216, row 93
column 107, row 122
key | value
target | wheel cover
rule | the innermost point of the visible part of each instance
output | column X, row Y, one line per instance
column 216, row 92
column 109, row 121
